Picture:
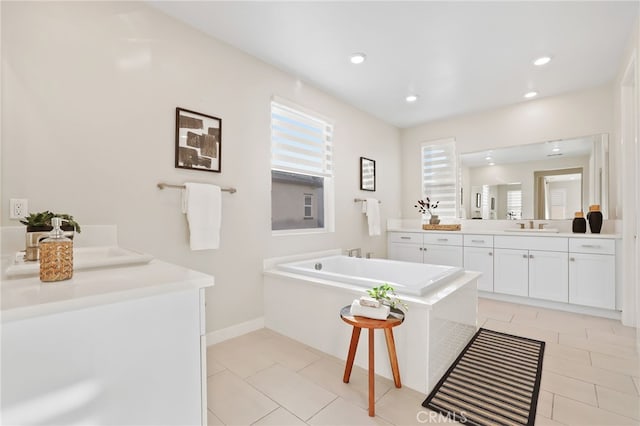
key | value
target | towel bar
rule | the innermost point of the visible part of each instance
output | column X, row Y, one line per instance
column 163, row 185
column 358, row 200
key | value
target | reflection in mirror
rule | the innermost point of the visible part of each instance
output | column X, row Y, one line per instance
column 505, row 179
column 558, row 193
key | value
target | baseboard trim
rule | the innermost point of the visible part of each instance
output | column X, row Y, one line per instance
column 576, row 309
column 223, row 334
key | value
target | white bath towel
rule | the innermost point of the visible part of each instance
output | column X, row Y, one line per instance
column 203, row 205
column 380, row 313
column 373, row 216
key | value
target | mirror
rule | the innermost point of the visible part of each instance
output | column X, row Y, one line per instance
column 547, row 181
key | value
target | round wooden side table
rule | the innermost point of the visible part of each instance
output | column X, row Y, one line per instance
column 395, row 318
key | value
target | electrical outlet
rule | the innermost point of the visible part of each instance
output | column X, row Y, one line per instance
column 18, row 208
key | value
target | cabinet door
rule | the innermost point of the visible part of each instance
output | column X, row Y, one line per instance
column 442, row 255
column 592, row 280
column 511, row 271
column 405, row 252
column 480, row 259
column 549, row 275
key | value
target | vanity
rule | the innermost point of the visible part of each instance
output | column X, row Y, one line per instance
column 115, row 345
column 576, row 272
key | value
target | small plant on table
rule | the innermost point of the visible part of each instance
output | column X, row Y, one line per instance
column 386, row 294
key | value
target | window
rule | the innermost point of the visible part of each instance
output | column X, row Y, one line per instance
column 301, row 168
column 308, row 206
column 439, row 175
column 514, row 205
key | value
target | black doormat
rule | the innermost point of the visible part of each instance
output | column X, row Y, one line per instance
column 494, row 381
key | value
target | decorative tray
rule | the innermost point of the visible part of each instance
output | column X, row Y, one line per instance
column 451, row 227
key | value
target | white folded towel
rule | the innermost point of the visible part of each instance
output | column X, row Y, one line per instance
column 373, row 216
column 380, row 313
column 202, row 203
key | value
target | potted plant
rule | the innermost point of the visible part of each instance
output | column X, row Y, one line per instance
column 41, row 222
column 386, row 294
column 427, row 206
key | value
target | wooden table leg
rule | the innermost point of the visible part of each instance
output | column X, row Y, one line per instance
column 391, row 347
column 355, row 336
column 372, row 376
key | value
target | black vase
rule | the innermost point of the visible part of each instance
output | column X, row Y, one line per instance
column 595, row 221
column 579, row 225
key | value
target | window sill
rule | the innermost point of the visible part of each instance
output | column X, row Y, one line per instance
column 310, row 231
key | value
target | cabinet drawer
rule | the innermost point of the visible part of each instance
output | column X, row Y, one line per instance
column 443, row 239
column 532, row 243
column 592, row 245
column 405, row 237
column 478, row 241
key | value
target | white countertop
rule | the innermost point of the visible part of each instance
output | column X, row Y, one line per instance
column 29, row 297
column 509, row 233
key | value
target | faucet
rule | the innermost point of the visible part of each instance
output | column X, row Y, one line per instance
column 541, row 225
column 357, row 251
column 32, row 243
column 530, row 224
column 521, row 225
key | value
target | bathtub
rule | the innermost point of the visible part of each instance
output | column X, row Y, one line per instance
column 405, row 277
column 304, row 304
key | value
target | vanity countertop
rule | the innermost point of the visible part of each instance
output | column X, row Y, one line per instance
column 509, row 233
column 29, row 297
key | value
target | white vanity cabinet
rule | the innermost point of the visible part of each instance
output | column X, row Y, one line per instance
column 592, row 272
column 405, row 246
column 435, row 248
column 532, row 266
column 442, row 249
column 478, row 256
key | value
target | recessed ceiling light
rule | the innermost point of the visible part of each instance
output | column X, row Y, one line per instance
column 488, row 157
column 492, row 164
column 556, row 149
column 543, row 60
column 411, row 98
column 358, row 58
column 530, row 95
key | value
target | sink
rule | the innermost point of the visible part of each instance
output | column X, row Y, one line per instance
column 84, row 258
column 534, row 231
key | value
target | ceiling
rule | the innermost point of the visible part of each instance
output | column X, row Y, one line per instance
column 458, row 57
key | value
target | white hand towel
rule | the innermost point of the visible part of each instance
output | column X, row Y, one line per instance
column 203, row 205
column 380, row 313
column 373, row 216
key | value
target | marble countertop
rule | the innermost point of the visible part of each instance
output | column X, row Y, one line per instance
column 29, row 297
column 509, row 233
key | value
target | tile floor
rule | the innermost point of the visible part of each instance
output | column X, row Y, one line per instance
column 591, row 376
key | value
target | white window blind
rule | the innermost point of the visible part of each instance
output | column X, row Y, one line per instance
column 514, row 204
column 439, row 176
column 300, row 142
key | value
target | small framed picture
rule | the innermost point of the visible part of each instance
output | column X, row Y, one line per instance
column 198, row 141
column 367, row 174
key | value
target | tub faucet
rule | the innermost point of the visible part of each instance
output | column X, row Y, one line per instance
column 530, row 224
column 356, row 251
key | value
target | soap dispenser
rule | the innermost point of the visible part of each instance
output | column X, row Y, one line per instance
column 56, row 255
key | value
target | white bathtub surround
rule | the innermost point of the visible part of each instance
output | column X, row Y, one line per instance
column 437, row 326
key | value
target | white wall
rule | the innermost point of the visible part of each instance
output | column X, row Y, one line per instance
column 626, row 159
column 561, row 117
column 89, row 91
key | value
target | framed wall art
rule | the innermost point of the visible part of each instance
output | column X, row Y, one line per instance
column 367, row 174
column 198, row 141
